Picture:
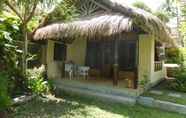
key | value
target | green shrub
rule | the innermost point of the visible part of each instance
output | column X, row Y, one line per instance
column 144, row 81
column 4, row 97
column 174, row 55
column 180, row 83
column 36, row 82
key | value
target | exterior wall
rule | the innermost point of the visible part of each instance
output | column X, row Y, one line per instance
column 76, row 51
column 146, row 60
column 54, row 67
column 145, row 57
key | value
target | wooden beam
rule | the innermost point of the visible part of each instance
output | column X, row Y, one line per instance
column 115, row 66
column 136, row 65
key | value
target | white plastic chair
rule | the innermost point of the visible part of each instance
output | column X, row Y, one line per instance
column 69, row 70
column 83, row 71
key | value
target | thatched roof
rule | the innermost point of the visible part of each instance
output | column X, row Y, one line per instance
column 101, row 25
column 121, row 18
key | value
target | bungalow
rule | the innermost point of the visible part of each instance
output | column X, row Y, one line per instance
column 123, row 46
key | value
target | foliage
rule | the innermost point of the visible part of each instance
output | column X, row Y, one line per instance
column 25, row 10
column 143, row 83
column 36, row 81
column 10, row 23
column 183, row 30
column 142, row 5
column 183, row 50
column 9, row 52
column 9, row 32
column 162, row 16
column 34, row 23
column 174, row 55
column 65, row 11
column 169, row 7
column 180, row 83
column 4, row 97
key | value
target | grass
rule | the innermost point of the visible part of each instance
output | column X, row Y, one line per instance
column 80, row 107
column 165, row 97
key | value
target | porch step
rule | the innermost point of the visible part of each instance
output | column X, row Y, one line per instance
column 90, row 91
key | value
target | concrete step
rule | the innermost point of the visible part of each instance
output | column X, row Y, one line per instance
column 101, row 96
column 123, row 92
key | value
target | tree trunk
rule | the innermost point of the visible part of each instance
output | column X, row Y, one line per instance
column 25, row 50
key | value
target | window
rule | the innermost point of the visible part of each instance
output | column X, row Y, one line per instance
column 159, row 52
column 59, row 52
column 159, row 56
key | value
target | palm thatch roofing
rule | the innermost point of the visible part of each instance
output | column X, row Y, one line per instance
column 120, row 18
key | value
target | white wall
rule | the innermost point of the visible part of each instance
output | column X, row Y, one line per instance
column 146, row 60
column 54, row 68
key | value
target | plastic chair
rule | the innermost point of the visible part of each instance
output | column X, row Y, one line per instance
column 83, row 71
column 69, row 70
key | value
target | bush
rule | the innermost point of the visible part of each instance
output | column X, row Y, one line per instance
column 4, row 97
column 36, row 82
column 174, row 55
column 180, row 83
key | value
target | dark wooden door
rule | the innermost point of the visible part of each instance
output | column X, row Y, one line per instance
column 127, row 55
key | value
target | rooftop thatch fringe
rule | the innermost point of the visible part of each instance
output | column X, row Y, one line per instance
column 102, row 25
column 121, row 18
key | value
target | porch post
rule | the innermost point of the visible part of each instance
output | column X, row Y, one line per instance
column 115, row 66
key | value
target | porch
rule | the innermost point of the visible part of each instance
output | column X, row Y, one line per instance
column 111, row 60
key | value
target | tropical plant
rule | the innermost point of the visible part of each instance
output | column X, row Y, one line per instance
column 174, row 55
column 25, row 11
column 144, row 81
column 10, row 52
column 179, row 84
column 36, row 81
column 9, row 29
column 65, row 11
column 142, row 5
column 5, row 101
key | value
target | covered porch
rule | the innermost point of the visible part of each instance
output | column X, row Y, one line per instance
column 111, row 62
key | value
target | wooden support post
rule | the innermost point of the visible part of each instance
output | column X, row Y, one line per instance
column 136, row 65
column 115, row 66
